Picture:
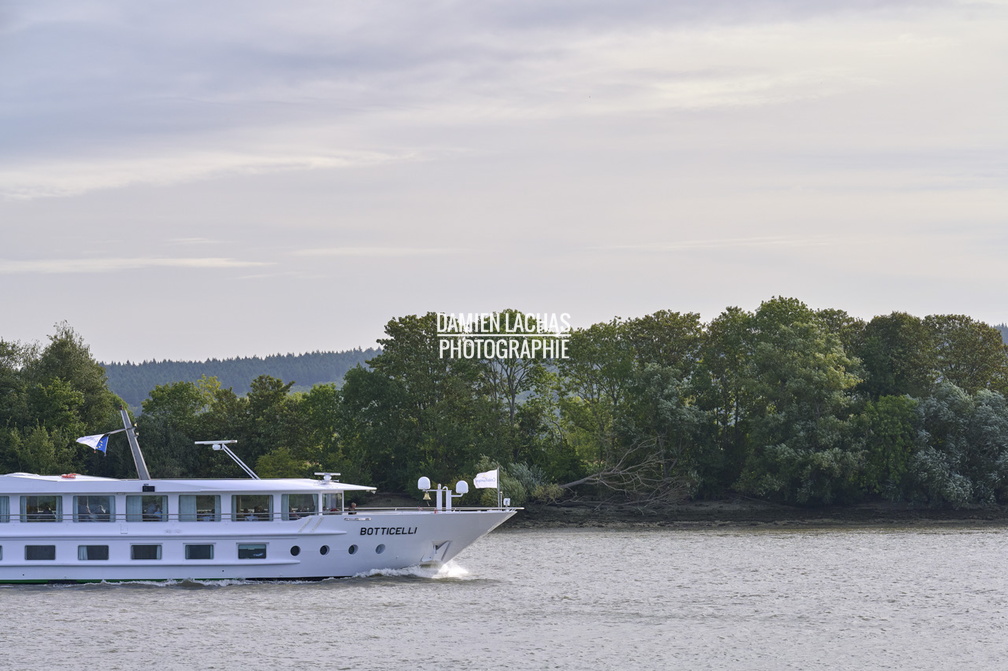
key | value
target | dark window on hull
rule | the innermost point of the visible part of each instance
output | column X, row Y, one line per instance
column 251, row 551
column 199, row 552
column 92, row 552
column 145, row 552
column 40, row 552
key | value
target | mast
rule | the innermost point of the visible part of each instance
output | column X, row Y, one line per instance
column 138, row 458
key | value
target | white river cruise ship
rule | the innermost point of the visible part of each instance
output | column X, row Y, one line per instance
column 78, row 528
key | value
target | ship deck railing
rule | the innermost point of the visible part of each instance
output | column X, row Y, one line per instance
column 236, row 517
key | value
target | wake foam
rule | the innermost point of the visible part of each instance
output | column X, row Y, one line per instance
column 448, row 571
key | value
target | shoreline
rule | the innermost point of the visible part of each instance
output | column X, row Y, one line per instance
column 745, row 513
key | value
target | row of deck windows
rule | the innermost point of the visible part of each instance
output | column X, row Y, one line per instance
column 139, row 552
column 152, row 552
column 154, row 508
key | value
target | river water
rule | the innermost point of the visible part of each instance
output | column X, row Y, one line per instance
column 918, row 598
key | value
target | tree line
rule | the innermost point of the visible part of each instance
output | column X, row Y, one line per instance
column 782, row 403
column 134, row 381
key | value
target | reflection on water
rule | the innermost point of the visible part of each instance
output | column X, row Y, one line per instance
column 567, row 599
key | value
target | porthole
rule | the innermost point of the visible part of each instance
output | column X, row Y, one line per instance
column 324, row 550
column 380, row 548
column 352, row 549
column 296, row 550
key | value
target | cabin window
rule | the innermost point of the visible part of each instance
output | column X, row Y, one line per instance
column 199, row 551
column 145, row 552
column 40, row 552
column 146, row 508
column 199, row 508
column 251, row 507
column 251, row 551
column 296, row 506
column 4, row 509
column 94, row 508
column 41, row 508
column 92, row 552
column 332, row 503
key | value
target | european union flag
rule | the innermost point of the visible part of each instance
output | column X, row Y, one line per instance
column 97, row 442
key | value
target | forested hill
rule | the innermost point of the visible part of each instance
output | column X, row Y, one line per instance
column 134, row 381
column 1004, row 332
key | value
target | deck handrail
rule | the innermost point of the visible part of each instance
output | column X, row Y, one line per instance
column 146, row 518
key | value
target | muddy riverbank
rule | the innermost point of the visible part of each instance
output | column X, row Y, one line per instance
column 746, row 513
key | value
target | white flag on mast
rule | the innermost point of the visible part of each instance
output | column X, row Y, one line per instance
column 486, row 480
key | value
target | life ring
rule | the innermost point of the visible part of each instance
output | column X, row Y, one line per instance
column 69, row 476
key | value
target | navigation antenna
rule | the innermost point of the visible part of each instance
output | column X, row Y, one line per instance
column 222, row 446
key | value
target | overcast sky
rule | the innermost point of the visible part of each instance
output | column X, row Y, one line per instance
column 188, row 179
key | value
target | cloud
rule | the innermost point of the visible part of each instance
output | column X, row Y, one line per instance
column 763, row 242
column 70, row 177
column 378, row 252
column 111, row 265
column 105, row 96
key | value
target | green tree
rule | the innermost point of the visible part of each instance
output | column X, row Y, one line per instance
column 988, row 442
column 48, row 398
column 889, row 428
column 721, row 385
column 898, row 356
column 320, row 409
column 272, row 421
column 668, row 339
column 625, row 406
column 594, row 380
column 40, row 449
column 13, row 357
column 280, row 463
column 378, row 435
column 800, row 379
column 439, row 409
column 850, row 330
column 961, row 456
column 69, row 359
column 547, row 432
column 505, row 381
column 170, row 425
column 658, row 426
column 967, row 353
column 940, row 467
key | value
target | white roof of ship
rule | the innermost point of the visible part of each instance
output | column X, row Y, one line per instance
column 27, row 483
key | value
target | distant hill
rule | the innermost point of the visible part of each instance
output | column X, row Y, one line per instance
column 1004, row 332
column 134, row 381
